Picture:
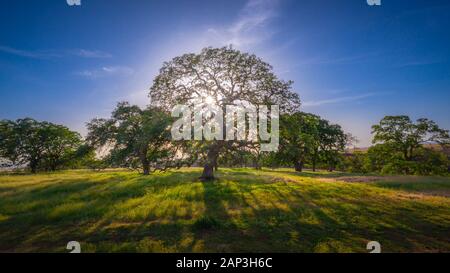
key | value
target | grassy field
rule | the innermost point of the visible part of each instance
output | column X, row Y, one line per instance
column 243, row 211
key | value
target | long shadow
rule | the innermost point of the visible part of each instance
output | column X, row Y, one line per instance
column 32, row 212
column 242, row 213
column 336, row 230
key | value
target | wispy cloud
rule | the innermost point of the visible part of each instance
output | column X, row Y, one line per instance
column 338, row 100
column 28, row 53
column 250, row 28
column 337, row 60
column 106, row 71
column 51, row 54
column 90, row 53
column 419, row 63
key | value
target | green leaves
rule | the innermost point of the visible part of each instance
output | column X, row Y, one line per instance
column 225, row 74
column 40, row 145
column 401, row 147
column 307, row 137
column 136, row 138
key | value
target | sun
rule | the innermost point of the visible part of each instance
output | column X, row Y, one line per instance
column 209, row 100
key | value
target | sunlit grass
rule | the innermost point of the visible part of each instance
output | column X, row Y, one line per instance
column 243, row 210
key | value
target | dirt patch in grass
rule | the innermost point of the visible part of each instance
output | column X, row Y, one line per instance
column 354, row 179
column 441, row 193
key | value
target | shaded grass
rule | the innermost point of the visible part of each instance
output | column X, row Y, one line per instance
column 418, row 184
column 242, row 211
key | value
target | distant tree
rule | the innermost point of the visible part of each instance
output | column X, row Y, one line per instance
column 38, row 144
column 318, row 134
column 307, row 137
column 430, row 162
column 236, row 157
column 400, row 146
column 351, row 141
column 221, row 76
column 355, row 162
column 85, row 157
column 332, row 143
column 297, row 132
column 61, row 147
column 270, row 160
column 137, row 138
column 382, row 157
column 405, row 136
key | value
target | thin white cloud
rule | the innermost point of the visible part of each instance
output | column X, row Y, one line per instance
column 328, row 60
column 90, row 53
column 51, row 54
column 106, row 71
column 250, row 28
column 28, row 53
column 420, row 63
column 338, row 100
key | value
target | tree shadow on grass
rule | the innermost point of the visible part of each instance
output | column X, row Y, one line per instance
column 236, row 213
column 291, row 221
column 64, row 209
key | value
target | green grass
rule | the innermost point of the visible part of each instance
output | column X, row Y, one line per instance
column 242, row 211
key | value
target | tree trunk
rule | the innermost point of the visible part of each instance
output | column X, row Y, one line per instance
column 298, row 165
column 208, row 172
column 405, row 154
column 144, row 160
column 33, row 166
column 146, row 168
column 53, row 166
column 330, row 167
column 314, row 160
column 257, row 161
column 211, row 163
column 145, row 164
column 410, row 157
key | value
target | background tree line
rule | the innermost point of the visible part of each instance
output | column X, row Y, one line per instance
column 402, row 146
column 139, row 138
column 42, row 145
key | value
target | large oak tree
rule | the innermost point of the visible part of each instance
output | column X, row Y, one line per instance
column 222, row 76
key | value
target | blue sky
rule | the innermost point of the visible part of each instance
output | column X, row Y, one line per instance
column 351, row 63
